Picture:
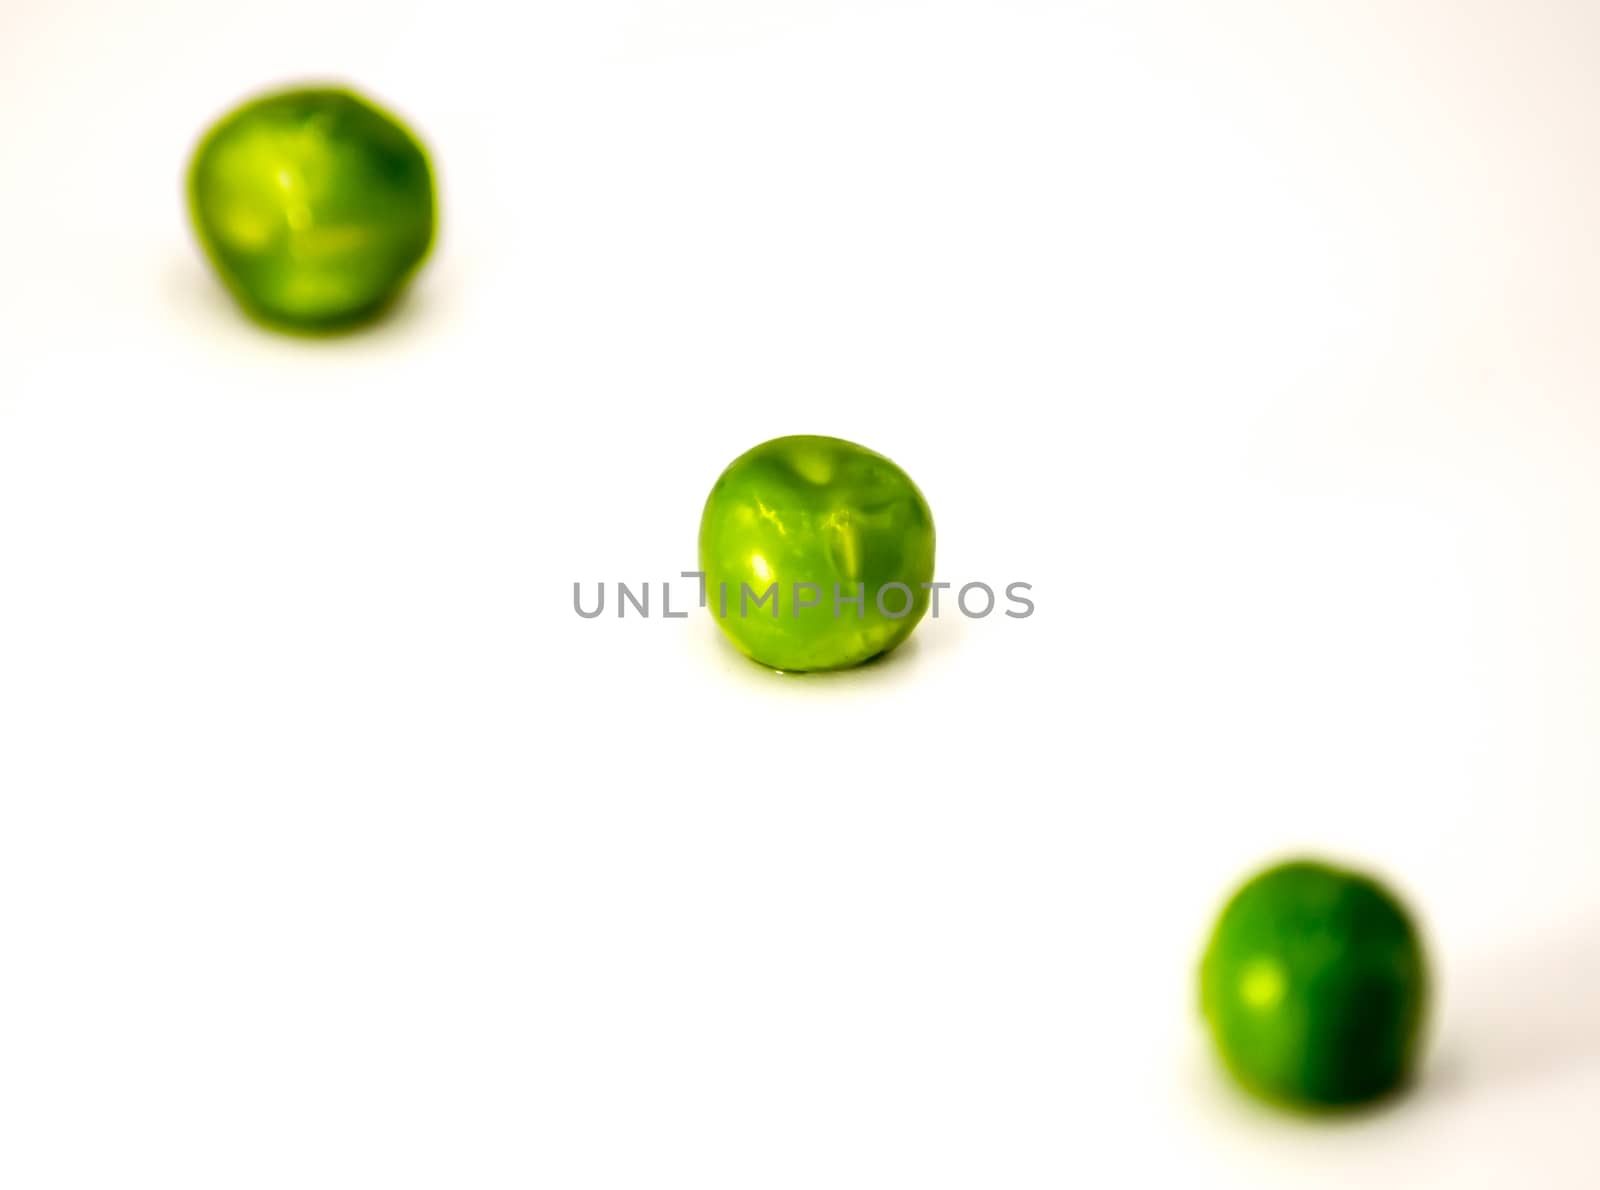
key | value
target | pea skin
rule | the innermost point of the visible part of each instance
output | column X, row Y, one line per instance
column 835, row 531
column 314, row 206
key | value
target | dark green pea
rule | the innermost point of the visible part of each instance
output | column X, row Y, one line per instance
column 314, row 205
column 1315, row 986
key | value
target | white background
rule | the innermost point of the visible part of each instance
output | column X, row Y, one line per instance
column 336, row 851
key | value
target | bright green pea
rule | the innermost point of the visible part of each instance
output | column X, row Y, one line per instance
column 1315, row 987
column 822, row 528
column 314, row 206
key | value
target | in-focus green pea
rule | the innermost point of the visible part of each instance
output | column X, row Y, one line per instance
column 1315, row 987
column 314, row 205
column 837, row 539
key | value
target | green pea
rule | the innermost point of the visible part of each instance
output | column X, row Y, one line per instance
column 314, row 205
column 834, row 539
column 1315, row 986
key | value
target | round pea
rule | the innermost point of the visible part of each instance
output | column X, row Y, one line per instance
column 1315, row 987
column 816, row 553
column 315, row 206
